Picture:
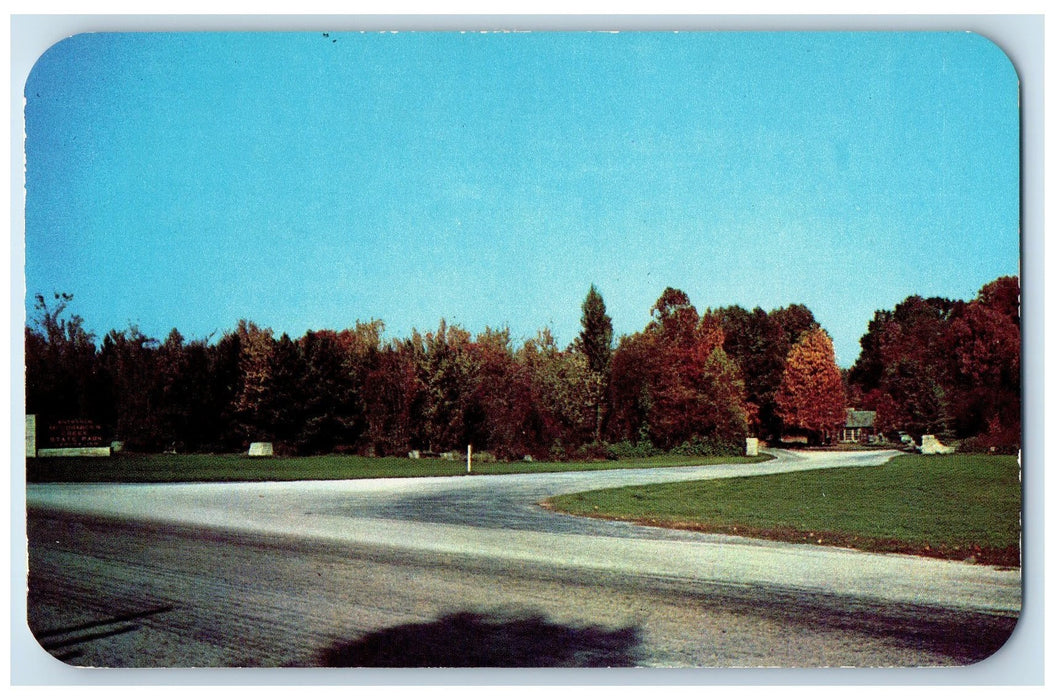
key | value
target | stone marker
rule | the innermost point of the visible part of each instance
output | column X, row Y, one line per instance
column 261, row 449
column 751, row 449
column 931, row 446
column 31, row 435
column 73, row 452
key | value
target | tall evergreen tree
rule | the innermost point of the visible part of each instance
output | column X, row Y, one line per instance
column 595, row 342
column 595, row 338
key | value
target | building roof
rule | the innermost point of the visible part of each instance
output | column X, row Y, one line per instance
column 860, row 419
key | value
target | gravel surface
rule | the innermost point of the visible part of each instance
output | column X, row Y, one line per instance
column 402, row 571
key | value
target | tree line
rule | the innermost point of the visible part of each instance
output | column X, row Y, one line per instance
column 946, row 367
column 690, row 382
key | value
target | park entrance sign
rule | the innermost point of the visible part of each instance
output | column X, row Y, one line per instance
column 71, row 437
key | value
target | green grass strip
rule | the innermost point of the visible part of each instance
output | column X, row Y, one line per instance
column 140, row 468
column 949, row 506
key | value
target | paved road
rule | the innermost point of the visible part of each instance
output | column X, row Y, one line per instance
column 470, row 570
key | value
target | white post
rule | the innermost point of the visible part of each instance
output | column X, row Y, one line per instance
column 469, row 461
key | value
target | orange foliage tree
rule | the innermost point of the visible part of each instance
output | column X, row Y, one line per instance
column 811, row 395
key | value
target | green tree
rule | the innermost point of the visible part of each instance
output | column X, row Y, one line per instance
column 595, row 338
column 220, row 426
column 286, row 400
column 566, row 392
column 338, row 365
column 450, row 380
column 759, row 345
column 674, row 318
column 130, row 359
column 195, row 422
column 595, row 343
column 175, row 391
column 794, row 320
column 61, row 370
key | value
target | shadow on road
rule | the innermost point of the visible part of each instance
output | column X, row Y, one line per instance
column 965, row 637
column 468, row 639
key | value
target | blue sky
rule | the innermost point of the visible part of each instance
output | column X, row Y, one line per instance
column 306, row 181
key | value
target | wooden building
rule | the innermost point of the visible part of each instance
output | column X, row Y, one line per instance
column 860, row 426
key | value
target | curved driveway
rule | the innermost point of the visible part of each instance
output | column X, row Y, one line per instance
column 497, row 518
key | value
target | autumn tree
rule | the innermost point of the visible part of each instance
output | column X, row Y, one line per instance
column 499, row 403
column 256, row 346
column 811, row 396
column 1002, row 295
column 984, row 343
column 629, row 394
column 394, row 392
column 674, row 382
column 673, row 368
column 904, row 369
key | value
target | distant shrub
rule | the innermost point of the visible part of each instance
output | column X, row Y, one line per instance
column 337, row 450
column 634, row 450
column 285, row 449
column 595, row 451
column 998, row 439
column 708, row 447
column 987, row 445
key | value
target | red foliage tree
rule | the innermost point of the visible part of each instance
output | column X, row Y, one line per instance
column 939, row 366
column 394, row 396
column 674, row 382
column 984, row 344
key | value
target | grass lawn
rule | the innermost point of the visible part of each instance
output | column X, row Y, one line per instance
column 128, row 468
column 948, row 506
